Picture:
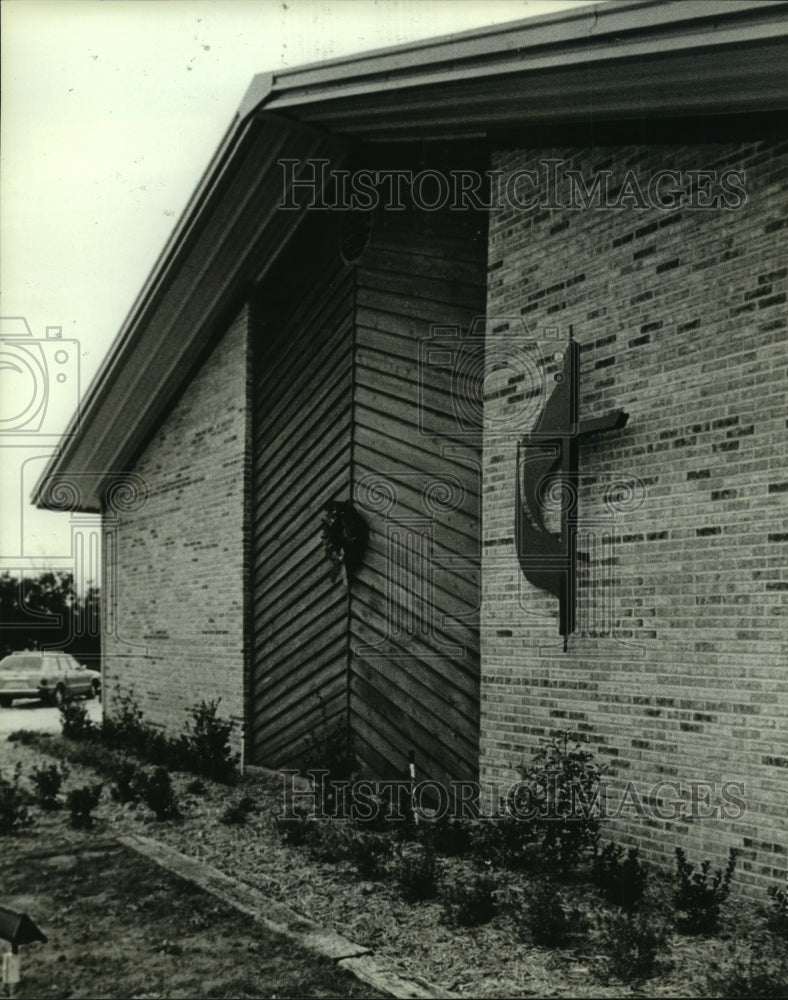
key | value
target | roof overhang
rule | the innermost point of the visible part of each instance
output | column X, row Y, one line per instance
column 608, row 61
column 230, row 234
column 634, row 59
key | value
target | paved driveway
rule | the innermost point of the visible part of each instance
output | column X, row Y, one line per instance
column 34, row 715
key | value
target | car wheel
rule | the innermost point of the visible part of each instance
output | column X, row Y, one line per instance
column 60, row 696
column 5, row 701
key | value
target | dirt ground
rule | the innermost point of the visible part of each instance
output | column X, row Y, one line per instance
column 120, row 926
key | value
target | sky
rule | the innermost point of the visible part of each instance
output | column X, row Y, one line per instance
column 110, row 113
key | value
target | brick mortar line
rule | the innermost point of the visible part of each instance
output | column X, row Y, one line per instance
column 280, row 919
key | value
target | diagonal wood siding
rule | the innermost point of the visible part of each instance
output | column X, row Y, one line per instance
column 414, row 677
column 302, row 439
column 344, row 407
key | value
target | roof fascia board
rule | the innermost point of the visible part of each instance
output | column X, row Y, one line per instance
column 609, row 55
column 581, row 30
column 635, row 90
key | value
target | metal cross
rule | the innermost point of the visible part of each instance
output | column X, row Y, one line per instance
column 550, row 470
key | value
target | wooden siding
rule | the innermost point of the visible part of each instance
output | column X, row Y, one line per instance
column 414, row 676
column 345, row 407
column 302, row 437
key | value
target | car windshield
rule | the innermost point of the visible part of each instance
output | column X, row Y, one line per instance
column 21, row 663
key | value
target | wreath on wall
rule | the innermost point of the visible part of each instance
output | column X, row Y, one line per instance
column 345, row 534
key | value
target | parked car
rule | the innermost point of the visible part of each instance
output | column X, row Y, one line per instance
column 52, row 677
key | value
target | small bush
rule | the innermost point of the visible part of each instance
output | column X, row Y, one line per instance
column 81, row 802
column 469, row 899
column 27, row 737
column 237, row 812
column 13, row 804
column 74, row 721
column 621, row 879
column 633, row 943
column 371, row 854
column 559, row 787
column 157, row 793
column 451, row 837
column 124, row 728
column 296, row 832
column 550, row 921
column 207, row 743
column 699, row 896
column 203, row 748
column 416, row 873
column 329, row 841
column 758, row 971
column 505, row 842
column 330, row 750
column 196, row 787
column 777, row 920
column 128, row 780
column 47, row 781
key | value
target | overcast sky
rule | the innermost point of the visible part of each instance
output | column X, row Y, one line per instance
column 110, row 113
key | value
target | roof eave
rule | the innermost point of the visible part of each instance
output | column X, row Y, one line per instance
column 724, row 56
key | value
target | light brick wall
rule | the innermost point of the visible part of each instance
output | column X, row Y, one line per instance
column 179, row 572
column 681, row 318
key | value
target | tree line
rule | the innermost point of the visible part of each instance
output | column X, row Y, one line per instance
column 46, row 612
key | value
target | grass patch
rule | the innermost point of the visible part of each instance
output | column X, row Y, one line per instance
column 120, row 926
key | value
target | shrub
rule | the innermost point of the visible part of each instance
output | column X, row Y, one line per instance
column 505, row 842
column 13, row 804
column 330, row 750
column 622, row 879
column 329, row 841
column 207, row 743
column 778, row 911
column 370, row 853
column 74, row 721
column 128, row 781
column 758, row 971
column 296, row 832
column 203, row 748
column 699, row 896
column 416, row 873
column 550, row 921
column 446, row 835
column 27, row 737
column 82, row 802
column 392, row 807
column 633, row 943
column 124, row 728
column 469, row 899
column 157, row 793
column 559, row 787
column 237, row 812
column 162, row 750
column 47, row 782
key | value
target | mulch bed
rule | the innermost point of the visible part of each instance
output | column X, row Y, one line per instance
column 496, row 959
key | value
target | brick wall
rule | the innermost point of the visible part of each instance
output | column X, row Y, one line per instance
column 678, row 671
column 178, row 573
